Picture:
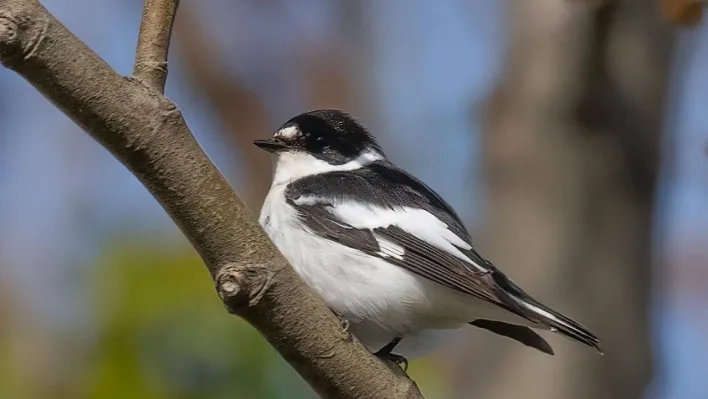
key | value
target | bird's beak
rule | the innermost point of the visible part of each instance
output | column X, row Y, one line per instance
column 270, row 145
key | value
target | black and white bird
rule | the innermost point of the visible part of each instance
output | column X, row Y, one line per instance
column 383, row 250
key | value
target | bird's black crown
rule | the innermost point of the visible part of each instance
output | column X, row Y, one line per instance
column 329, row 134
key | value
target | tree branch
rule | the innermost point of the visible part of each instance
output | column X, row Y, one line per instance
column 153, row 43
column 147, row 133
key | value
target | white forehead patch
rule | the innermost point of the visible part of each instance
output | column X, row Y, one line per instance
column 288, row 133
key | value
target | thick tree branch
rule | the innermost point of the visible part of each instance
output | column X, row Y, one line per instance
column 148, row 135
column 154, row 42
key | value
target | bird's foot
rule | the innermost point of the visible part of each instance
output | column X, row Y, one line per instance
column 385, row 354
column 398, row 359
column 344, row 323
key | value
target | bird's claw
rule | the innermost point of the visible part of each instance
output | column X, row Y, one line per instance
column 345, row 323
column 385, row 354
column 398, row 359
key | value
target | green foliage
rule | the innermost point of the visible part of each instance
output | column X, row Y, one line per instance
column 163, row 333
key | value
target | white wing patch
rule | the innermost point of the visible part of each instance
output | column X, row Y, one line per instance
column 417, row 222
column 389, row 248
column 309, row 200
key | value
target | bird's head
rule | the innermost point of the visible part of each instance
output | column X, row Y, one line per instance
column 329, row 135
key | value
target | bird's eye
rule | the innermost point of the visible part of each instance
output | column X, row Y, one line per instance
column 317, row 143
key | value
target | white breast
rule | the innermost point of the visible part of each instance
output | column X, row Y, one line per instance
column 358, row 286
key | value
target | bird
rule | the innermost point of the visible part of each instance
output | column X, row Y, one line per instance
column 383, row 250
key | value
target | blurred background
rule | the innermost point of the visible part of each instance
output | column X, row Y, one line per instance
column 571, row 136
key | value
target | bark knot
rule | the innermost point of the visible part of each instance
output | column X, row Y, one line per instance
column 20, row 37
column 9, row 41
column 241, row 286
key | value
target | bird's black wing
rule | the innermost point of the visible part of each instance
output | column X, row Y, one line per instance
column 325, row 204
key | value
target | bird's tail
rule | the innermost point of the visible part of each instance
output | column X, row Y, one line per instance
column 558, row 323
column 523, row 304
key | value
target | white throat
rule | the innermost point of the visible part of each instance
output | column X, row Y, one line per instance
column 294, row 165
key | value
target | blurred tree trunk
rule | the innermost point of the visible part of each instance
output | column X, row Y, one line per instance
column 571, row 157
